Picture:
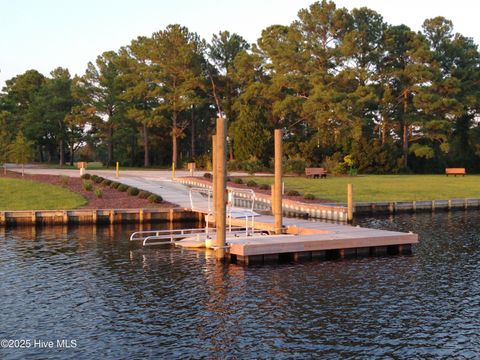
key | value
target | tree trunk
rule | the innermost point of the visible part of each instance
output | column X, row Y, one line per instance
column 110, row 146
column 405, row 129
column 174, row 139
column 383, row 131
column 61, row 153
column 72, row 153
column 405, row 144
column 192, row 137
column 51, row 150
column 40, row 153
column 23, row 169
column 146, row 161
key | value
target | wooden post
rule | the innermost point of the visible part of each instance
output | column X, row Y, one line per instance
column 116, row 170
column 350, row 202
column 220, row 198
column 272, row 187
column 173, row 170
column 277, row 198
column 214, row 170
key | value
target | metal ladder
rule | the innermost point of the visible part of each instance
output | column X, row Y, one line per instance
column 165, row 237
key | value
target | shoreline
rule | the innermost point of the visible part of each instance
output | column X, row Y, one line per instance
column 96, row 216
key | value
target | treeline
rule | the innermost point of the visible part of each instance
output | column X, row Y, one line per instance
column 349, row 90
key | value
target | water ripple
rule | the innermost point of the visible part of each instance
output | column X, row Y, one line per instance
column 120, row 301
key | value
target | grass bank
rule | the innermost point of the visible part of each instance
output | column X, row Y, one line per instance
column 372, row 188
column 19, row 194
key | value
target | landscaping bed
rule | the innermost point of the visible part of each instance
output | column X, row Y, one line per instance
column 111, row 198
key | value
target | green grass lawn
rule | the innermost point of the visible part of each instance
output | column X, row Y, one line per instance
column 371, row 188
column 16, row 194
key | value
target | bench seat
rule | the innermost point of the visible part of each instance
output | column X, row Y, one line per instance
column 316, row 172
column 455, row 171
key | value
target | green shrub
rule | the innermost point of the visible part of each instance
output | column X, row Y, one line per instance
column 293, row 193
column 94, row 177
column 238, row 181
column 334, row 165
column 295, row 165
column 203, row 161
column 86, row 176
column 87, row 185
column 106, row 182
column 98, row 179
column 252, row 165
column 114, row 185
column 155, row 198
column 64, row 179
column 264, row 187
column 234, row 165
column 251, row 183
column 122, row 187
column 98, row 192
column 309, row 197
column 132, row 191
column 143, row 194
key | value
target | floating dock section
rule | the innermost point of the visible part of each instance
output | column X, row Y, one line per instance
column 304, row 240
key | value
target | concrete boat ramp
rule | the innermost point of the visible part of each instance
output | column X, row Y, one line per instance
column 301, row 239
column 305, row 240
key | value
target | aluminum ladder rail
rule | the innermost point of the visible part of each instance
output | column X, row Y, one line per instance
column 166, row 237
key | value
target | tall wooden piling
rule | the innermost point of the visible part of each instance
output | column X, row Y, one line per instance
column 277, row 198
column 214, row 170
column 220, row 174
column 350, row 202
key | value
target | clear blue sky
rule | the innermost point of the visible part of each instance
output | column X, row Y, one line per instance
column 45, row 34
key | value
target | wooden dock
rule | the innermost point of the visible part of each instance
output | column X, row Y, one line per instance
column 308, row 240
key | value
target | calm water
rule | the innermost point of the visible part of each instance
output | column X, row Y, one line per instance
column 118, row 301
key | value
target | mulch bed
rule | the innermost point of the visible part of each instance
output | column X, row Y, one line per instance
column 267, row 192
column 111, row 198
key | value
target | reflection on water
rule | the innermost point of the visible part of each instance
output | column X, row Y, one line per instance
column 121, row 301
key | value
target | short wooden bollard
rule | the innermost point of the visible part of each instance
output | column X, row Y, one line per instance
column 350, row 202
column 116, row 170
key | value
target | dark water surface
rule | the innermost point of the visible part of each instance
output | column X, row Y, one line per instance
column 118, row 301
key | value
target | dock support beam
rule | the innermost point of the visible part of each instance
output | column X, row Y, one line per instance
column 350, row 202
column 277, row 195
column 220, row 176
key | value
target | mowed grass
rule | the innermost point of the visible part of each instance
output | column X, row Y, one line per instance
column 372, row 188
column 16, row 194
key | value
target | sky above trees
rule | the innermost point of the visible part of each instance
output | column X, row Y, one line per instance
column 46, row 34
column 349, row 90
